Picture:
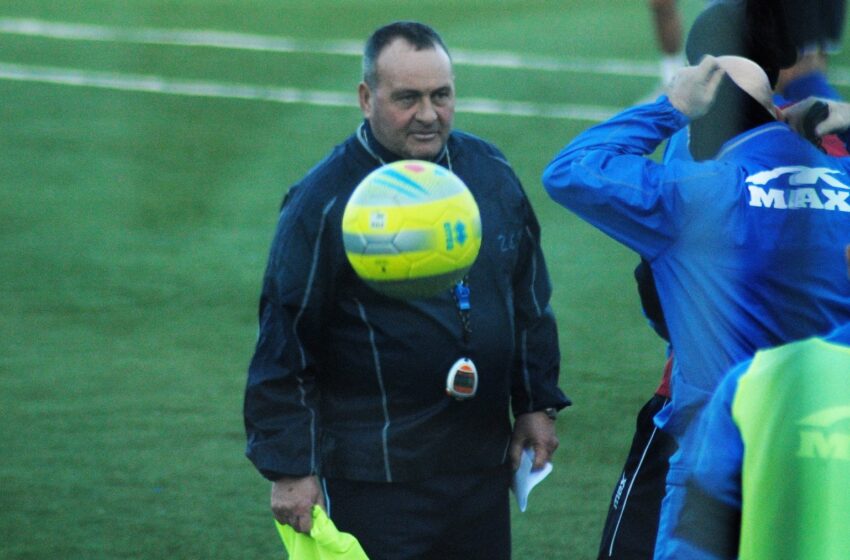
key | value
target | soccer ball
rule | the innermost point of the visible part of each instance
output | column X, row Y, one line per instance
column 411, row 229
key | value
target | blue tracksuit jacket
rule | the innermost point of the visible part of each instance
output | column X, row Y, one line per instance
column 745, row 249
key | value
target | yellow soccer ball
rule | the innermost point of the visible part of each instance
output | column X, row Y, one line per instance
column 411, row 229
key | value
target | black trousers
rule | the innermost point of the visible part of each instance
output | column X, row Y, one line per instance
column 632, row 522
column 457, row 516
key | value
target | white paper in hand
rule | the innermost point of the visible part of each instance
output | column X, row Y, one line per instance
column 525, row 479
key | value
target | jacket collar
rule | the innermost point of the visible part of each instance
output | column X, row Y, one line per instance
column 367, row 140
column 733, row 147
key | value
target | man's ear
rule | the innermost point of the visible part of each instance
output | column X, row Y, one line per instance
column 364, row 94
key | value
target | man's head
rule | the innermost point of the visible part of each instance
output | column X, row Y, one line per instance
column 408, row 93
column 743, row 101
column 751, row 78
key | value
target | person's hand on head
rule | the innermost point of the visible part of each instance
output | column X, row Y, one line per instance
column 836, row 117
column 694, row 88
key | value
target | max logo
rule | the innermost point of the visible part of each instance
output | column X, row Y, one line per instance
column 817, row 441
column 832, row 194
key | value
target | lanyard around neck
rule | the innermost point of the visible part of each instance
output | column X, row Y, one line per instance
column 363, row 138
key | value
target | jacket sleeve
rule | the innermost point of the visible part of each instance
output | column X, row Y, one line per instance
column 604, row 176
column 537, row 362
column 281, row 398
column 710, row 520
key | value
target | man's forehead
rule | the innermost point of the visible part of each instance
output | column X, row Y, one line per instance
column 401, row 47
column 400, row 63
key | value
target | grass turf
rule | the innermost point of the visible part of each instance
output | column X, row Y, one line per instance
column 134, row 233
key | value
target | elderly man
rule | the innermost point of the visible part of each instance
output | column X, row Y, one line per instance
column 346, row 405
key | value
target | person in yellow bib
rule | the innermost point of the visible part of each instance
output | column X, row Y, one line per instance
column 773, row 470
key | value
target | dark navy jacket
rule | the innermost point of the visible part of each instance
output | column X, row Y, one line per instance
column 348, row 383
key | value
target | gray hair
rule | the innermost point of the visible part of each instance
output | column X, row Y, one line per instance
column 419, row 35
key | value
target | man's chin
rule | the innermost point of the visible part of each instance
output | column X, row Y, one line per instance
column 425, row 150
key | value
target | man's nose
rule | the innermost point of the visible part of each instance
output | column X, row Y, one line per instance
column 426, row 112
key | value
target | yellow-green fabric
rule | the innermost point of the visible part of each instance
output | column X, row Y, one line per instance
column 793, row 411
column 325, row 541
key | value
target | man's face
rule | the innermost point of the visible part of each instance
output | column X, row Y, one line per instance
column 412, row 107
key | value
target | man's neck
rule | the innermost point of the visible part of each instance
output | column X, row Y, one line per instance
column 384, row 155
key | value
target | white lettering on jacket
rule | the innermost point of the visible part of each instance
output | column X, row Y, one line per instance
column 799, row 196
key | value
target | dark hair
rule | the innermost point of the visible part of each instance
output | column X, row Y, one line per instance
column 813, row 23
column 754, row 29
column 419, row 35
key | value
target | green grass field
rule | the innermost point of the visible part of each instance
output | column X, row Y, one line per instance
column 140, row 179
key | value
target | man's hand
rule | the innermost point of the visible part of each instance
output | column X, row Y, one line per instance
column 694, row 88
column 837, row 119
column 533, row 430
column 293, row 499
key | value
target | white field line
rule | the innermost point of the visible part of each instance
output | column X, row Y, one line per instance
column 839, row 75
column 197, row 88
column 267, row 43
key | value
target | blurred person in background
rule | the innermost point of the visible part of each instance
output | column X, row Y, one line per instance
column 667, row 26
